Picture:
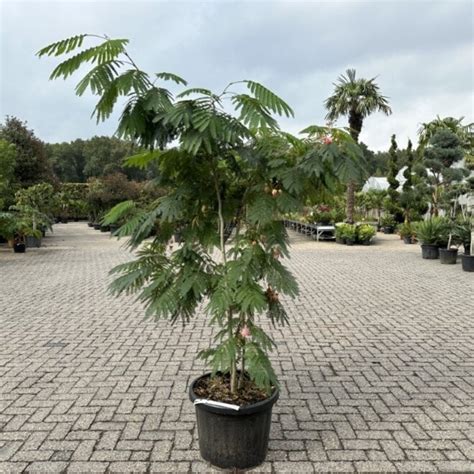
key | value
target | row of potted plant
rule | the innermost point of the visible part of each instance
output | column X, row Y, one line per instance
column 441, row 238
column 350, row 234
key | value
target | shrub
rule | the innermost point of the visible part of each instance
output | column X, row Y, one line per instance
column 434, row 231
column 365, row 232
column 388, row 221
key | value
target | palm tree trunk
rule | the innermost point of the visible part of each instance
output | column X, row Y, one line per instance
column 355, row 127
column 350, row 196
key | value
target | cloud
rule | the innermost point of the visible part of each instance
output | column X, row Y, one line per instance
column 420, row 51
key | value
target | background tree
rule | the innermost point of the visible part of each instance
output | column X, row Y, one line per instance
column 32, row 165
column 356, row 98
column 392, row 205
column 413, row 197
column 7, row 173
column 68, row 160
column 464, row 132
column 443, row 151
column 76, row 161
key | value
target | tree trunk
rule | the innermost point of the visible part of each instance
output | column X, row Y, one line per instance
column 355, row 126
column 350, row 201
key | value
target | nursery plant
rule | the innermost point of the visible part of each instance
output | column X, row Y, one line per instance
column 388, row 223
column 232, row 176
column 432, row 233
column 365, row 233
column 407, row 232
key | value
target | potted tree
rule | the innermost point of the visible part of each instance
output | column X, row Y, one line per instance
column 449, row 254
column 227, row 168
column 465, row 233
column 468, row 259
column 432, row 233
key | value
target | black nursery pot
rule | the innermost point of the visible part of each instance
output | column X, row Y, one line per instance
column 448, row 256
column 234, row 439
column 467, row 263
column 430, row 252
column 96, row 226
column 90, row 224
column 408, row 240
column 104, row 228
column 388, row 230
column 19, row 248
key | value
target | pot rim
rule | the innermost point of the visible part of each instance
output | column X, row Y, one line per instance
column 242, row 411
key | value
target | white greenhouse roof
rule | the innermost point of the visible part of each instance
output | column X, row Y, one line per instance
column 381, row 183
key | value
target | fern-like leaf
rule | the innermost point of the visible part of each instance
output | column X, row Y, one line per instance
column 168, row 76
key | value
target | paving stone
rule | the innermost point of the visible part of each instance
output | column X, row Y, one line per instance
column 376, row 367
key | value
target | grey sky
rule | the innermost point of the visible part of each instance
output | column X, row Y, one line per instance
column 421, row 51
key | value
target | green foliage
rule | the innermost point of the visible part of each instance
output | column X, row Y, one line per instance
column 35, row 207
column 346, row 231
column 105, row 193
column 433, row 231
column 31, row 163
column 7, row 172
column 229, row 180
column 357, row 98
column 407, row 229
column 365, row 232
column 388, row 220
column 392, row 204
column 443, row 151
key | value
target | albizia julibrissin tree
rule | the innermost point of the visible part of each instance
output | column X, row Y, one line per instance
column 230, row 168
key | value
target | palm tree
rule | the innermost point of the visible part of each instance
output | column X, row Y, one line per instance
column 357, row 98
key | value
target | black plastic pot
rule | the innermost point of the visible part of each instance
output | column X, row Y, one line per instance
column 90, row 224
column 33, row 241
column 113, row 228
column 467, row 263
column 388, row 230
column 234, row 439
column 3, row 240
column 408, row 240
column 96, row 226
column 350, row 241
column 19, row 248
column 365, row 242
column 104, row 228
column 467, row 249
column 340, row 240
column 448, row 256
column 430, row 252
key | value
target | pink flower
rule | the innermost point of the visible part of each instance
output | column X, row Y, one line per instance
column 245, row 331
column 327, row 140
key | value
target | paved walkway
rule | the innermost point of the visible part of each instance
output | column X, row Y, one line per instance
column 377, row 367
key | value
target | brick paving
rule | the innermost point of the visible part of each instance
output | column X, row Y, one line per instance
column 377, row 368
